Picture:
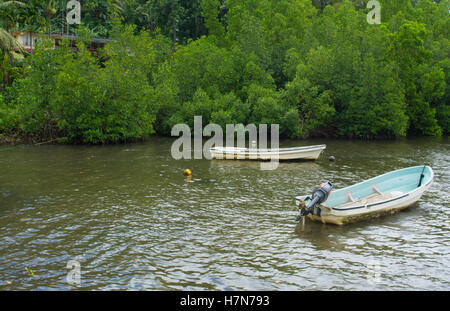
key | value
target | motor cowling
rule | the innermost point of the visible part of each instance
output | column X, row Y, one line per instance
column 319, row 195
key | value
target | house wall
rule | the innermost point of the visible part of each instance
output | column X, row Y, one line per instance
column 25, row 40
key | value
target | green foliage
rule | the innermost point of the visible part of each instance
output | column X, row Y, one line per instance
column 201, row 64
column 68, row 95
column 420, row 84
column 210, row 13
column 4, row 113
column 316, row 68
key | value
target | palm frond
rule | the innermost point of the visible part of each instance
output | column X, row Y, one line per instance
column 5, row 4
column 8, row 43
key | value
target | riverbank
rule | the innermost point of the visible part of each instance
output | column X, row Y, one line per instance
column 6, row 139
column 14, row 139
column 10, row 139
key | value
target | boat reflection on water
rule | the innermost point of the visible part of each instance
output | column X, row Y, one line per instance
column 304, row 166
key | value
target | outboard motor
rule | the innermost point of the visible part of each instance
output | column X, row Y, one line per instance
column 319, row 195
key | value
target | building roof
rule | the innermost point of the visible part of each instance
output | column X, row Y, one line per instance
column 59, row 35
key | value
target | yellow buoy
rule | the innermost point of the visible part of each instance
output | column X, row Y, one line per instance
column 187, row 172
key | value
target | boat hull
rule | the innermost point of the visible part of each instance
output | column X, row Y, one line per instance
column 372, row 206
column 282, row 154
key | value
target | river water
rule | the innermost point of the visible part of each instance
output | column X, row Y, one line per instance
column 132, row 221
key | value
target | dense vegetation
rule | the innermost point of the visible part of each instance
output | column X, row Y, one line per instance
column 316, row 67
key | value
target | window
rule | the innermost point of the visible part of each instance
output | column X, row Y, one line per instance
column 26, row 40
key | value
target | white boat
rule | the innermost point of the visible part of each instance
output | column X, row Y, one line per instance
column 381, row 195
column 295, row 153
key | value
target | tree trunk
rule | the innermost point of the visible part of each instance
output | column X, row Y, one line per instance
column 6, row 79
column 196, row 27
column 6, row 76
column 174, row 32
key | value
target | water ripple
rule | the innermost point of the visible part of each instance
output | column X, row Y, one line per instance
column 131, row 219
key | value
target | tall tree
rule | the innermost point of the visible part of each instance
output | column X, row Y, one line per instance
column 9, row 13
column 9, row 46
column 411, row 56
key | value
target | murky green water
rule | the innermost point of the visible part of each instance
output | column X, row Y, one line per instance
column 131, row 219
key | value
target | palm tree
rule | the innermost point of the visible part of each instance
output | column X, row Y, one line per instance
column 32, row 21
column 48, row 11
column 8, row 43
column 8, row 13
column 131, row 11
column 9, row 46
column 38, row 17
column 9, row 49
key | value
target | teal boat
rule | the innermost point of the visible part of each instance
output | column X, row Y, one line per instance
column 381, row 195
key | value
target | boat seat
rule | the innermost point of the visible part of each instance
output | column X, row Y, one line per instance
column 396, row 193
column 375, row 189
column 373, row 198
column 349, row 196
